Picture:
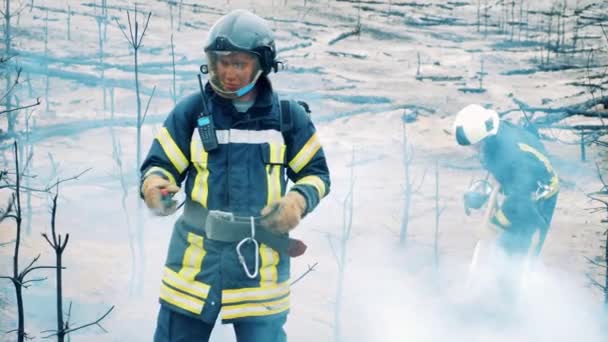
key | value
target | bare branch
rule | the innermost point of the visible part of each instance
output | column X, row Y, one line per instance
column 2, row 244
column 20, row 108
column 37, row 268
column 86, row 325
column 595, row 263
column 30, row 265
column 7, row 212
column 596, row 283
column 310, row 269
column 147, row 106
column 417, row 188
column 133, row 39
column 10, row 90
column 34, row 280
column 599, row 174
column 123, row 31
column 48, row 188
column 141, row 38
column 332, row 248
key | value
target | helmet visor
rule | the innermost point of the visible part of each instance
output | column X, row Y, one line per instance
column 233, row 74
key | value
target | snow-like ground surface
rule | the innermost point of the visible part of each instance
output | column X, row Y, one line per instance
column 357, row 89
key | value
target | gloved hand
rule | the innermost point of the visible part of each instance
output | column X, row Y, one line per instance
column 474, row 200
column 284, row 215
column 156, row 189
column 296, row 248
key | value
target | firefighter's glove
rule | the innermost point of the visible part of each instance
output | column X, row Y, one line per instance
column 284, row 215
column 474, row 200
column 158, row 193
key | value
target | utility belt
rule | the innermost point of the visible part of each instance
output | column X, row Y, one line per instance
column 227, row 227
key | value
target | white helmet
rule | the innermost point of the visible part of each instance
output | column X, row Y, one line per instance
column 474, row 123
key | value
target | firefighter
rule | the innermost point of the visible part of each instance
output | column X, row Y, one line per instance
column 233, row 146
column 517, row 160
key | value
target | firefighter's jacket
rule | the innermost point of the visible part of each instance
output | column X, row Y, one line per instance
column 518, row 161
column 249, row 170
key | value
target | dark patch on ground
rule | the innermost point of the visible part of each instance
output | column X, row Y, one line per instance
column 512, row 44
column 439, row 78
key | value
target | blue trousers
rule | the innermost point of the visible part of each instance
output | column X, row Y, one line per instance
column 526, row 217
column 175, row 327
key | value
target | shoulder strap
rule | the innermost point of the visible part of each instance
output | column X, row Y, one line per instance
column 286, row 117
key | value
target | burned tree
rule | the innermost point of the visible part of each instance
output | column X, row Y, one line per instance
column 601, row 262
column 409, row 190
column 135, row 39
column 19, row 278
column 58, row 244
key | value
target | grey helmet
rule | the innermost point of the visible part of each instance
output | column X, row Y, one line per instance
column 240, row 31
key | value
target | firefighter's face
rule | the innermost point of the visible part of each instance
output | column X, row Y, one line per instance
column 236, row 70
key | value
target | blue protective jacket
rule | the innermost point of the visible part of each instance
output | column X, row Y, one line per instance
column 518, row 161
column 249, row 170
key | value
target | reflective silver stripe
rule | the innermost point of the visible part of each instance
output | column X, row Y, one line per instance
column 255, row 293
column 305, row 154
column 314, row 181
column 173, row 152
column 161, row 170
column 240, row 136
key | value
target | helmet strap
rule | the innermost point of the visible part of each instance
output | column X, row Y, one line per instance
column 240, row 92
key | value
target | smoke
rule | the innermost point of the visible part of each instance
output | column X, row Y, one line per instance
column 502, row 304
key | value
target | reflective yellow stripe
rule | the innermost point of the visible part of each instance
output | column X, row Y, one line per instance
column 305, row 154
column 268, row 268
column 193, row 258
column 554, row 183
column 176, row 156
column 501, row 218
column 316, row 182
column 273, row 179
column 255, row 309
column 189, row 286
column 166, row 173
column 273, row 172
column 200, row 188
column 277, row 153
column 269, row 292
column 181, row 300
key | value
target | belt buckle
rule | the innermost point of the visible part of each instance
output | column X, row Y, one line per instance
column 222, row 215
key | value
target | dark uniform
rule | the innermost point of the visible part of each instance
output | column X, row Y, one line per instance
column 518, row 161
column 257, row 155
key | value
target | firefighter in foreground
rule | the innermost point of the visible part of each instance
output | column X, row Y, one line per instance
column 233, row 146
column 517, row 160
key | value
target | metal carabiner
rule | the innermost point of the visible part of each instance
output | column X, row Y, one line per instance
column 252, row 239
column 541, row 191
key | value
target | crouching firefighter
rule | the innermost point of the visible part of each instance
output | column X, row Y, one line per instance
column 232, row 147
column 518, row 162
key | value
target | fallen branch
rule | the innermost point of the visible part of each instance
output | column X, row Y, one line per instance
column 561, row 113
column 345, row 35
